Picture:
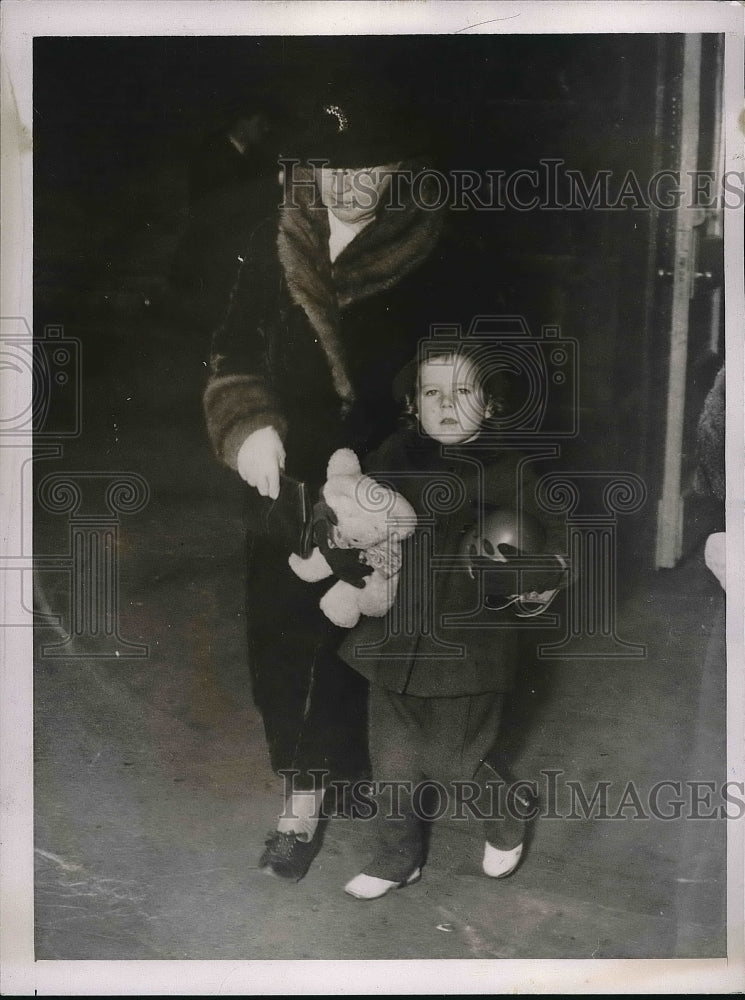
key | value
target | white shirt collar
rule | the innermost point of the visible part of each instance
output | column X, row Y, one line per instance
column 341, row 233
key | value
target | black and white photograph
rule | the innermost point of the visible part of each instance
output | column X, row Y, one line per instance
column 372, row 460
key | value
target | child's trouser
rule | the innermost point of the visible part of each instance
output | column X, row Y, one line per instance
column 427, row 748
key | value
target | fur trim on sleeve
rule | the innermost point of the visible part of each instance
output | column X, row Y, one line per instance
column 236, row 406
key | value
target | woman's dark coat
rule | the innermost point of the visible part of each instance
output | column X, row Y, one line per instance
column 311, row 348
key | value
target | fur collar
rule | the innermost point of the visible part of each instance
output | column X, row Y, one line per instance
column 392, row 246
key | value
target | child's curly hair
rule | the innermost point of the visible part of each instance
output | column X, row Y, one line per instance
column 496, row 385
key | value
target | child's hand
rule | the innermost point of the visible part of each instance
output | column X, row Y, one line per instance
column 535, row 598
column 715, row 556
column 545, row 583
column 527, row 605
column 533, row 604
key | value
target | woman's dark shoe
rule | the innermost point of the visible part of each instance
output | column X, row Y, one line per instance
column 289, row 857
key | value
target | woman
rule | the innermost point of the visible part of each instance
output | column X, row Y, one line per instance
column 331, row 299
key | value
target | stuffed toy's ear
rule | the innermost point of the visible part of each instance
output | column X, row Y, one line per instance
column 343, row 462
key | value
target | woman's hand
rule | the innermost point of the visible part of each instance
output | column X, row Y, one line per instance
column 715, row 556
column 261, row 459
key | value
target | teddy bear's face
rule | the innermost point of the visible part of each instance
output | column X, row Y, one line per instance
column 356, row 528
column 366, row 511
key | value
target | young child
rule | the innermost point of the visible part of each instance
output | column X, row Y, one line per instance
column 437, row 685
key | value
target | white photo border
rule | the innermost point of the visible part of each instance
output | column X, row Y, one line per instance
column 20, row 974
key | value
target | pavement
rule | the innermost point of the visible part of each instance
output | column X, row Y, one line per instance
column 153, row 791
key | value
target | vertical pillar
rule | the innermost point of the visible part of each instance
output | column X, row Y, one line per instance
column 591, row 623
column 94, row 502
column 414, row 615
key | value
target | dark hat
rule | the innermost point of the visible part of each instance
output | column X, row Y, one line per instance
column 404, row 384
column 405, row 381
column 362, row 130
column 496, row 381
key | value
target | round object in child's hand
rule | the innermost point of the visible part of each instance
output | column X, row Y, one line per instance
column 503, row 533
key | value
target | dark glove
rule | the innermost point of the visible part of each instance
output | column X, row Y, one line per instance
column 346, row 564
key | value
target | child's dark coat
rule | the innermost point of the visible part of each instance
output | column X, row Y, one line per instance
column 415, row 650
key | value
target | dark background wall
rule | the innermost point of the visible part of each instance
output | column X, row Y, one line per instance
column 119, row 124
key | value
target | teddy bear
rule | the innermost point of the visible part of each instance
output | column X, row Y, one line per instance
column 358, row 528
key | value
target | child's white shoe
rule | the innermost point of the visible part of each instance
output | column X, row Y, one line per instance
column 369, row 887
column 499, row 864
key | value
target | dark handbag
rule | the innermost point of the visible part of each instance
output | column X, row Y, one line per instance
column 286, row 521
